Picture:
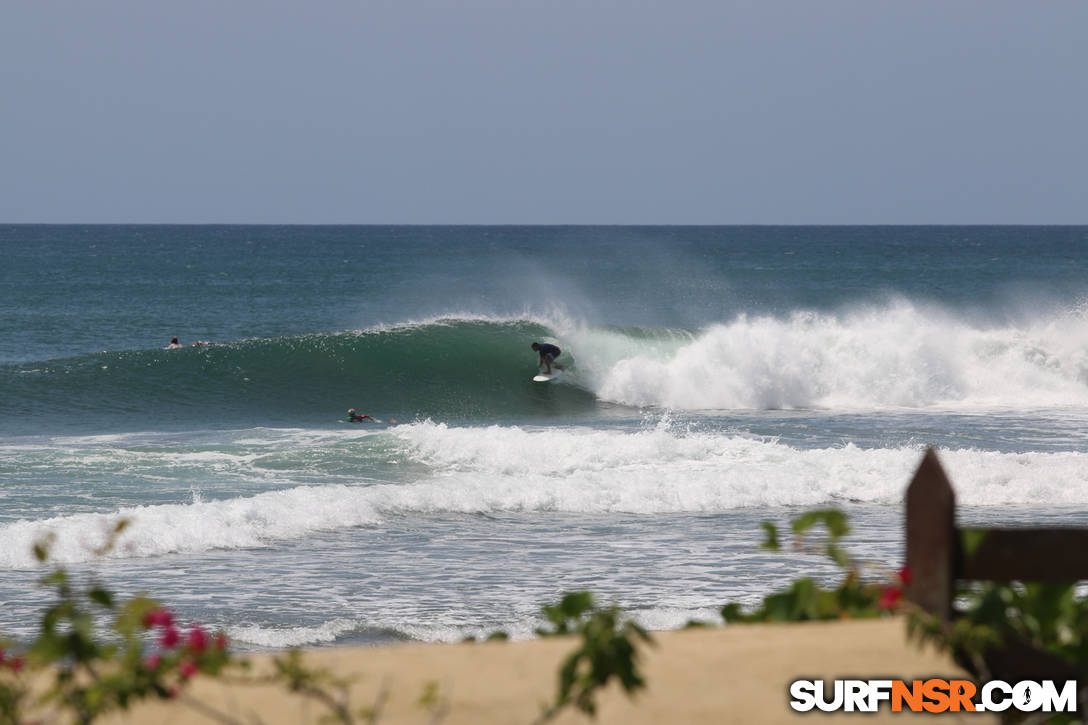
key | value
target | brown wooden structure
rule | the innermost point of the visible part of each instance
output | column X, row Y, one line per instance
column 939, row 553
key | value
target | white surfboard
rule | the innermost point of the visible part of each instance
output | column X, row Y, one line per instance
column 545, row 378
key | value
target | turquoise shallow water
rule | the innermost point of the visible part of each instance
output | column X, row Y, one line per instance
column 717, row 376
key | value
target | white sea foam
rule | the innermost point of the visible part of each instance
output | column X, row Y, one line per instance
column 657, row 619
column 198, row 526
column 513, row 469
column 900, row 355
column 284, row 637
column 661, row 470
column 335, row 629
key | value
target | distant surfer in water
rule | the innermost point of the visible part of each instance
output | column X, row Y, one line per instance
column 354, row 417
column 548, row 354
column 174, row 344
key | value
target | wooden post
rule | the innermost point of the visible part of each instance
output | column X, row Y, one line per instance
column 936, row 560
column 932, row 544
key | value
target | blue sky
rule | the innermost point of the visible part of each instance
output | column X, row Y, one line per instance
column 700, row 112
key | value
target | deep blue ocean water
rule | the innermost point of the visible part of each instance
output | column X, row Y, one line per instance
column 717, row 377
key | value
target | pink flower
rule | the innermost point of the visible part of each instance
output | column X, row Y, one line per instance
column 170, row 637
column 187, row 669
column 153, row 662
column 158, row 617
column 197, row 639
column 906, row 576
column 890, row 597
column 221, row 641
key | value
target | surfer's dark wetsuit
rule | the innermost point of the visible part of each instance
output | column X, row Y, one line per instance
column 548, row 354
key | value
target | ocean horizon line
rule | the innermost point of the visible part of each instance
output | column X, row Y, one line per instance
column 570, row 225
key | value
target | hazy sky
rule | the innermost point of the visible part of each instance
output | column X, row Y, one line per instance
column 706, row 112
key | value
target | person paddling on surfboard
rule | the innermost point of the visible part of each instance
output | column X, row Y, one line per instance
column 354, row 417
column 548, row 354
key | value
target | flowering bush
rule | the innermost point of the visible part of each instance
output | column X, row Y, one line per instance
column 804, row 599
column 92, row 676
column 1039, row 629
column 146, row 654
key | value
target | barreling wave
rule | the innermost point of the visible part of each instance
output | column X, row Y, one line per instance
column 459, row 369
column 478, row 369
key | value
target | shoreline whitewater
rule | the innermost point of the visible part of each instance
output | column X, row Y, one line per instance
column 732, row 674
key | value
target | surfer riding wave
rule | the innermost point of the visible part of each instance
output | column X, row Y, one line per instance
column 548, row 354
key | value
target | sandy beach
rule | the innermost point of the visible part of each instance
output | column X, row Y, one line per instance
column 736, row 674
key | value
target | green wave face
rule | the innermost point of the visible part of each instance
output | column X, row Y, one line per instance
column 452, row 369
